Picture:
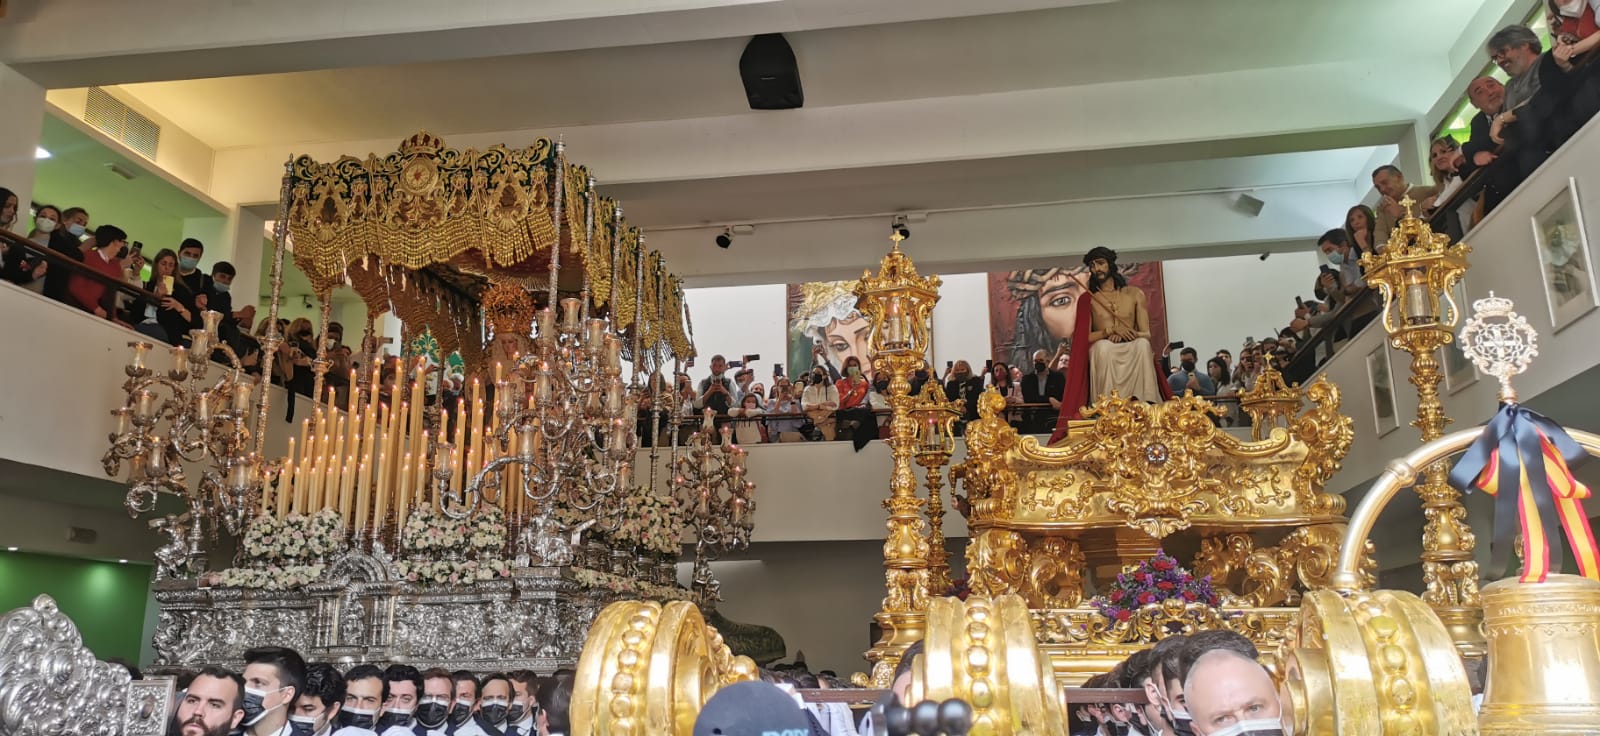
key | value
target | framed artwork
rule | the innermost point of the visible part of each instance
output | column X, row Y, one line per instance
column 148, row 707
column 1381, row 378
column 1565, row 267
column 1459, row 372
column 1034, row 309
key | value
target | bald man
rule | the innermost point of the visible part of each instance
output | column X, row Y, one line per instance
column 1230, row 694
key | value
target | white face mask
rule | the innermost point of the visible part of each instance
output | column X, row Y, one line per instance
column 1253, row 727
column 45, row 225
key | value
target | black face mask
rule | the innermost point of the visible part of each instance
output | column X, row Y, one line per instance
column 1117, row 728
column 516, row 713
column 1188, row 366
column 1039, row 366
column 494, row 715
column 351, row 718
column 392, row 718
column 432, row 714
column 816, row 378
column 460, row 713
column 122, row 252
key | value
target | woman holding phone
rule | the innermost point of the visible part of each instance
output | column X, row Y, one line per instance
column 167, row 319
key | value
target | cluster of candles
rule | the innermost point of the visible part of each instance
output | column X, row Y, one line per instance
column 374, row 458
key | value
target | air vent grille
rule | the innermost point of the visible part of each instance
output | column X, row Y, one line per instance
column 121, row 122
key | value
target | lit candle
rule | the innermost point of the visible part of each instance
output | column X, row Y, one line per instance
column 403, row 497
column 363, row 493
column 286, row 482
column 417, row 400
column 241, row 397
column 338, row 464
column 147, row 404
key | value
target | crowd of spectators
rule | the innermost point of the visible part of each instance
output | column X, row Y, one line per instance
column 1209, row 683
column 1549, row 95
column 277, row 692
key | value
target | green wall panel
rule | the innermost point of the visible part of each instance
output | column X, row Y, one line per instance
column 106, row 600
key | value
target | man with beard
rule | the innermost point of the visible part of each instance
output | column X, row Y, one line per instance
column 433, row 708
column 318, row 707
column 1114, row 322
column 405, row 685
column 212, row 705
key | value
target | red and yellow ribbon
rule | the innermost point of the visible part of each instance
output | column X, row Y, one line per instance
column 1522, row 447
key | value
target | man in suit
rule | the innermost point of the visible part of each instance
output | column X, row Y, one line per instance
column 399, row 709
column 520, row 721
column 316, row 711
column 1043, row 386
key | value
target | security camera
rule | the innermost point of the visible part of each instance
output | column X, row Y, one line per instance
column 898, row 224
column 726, row 238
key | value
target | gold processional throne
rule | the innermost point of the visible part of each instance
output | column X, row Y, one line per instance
column 1056, row 524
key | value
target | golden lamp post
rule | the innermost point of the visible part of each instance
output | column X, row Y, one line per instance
column 934, row 417
column 1415, row 274
column 899, row 304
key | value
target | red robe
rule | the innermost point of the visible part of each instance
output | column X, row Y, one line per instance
column 1076, row 396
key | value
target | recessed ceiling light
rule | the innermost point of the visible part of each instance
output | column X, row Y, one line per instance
column 124, row 562
column 11, row 549
column 39, row 152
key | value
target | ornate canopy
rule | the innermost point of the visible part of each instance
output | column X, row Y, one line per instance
column 470, row 217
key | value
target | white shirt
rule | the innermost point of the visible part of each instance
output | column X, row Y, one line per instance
column 525, row 727
column 353, row 731
column 822, row 394
column 403, row 731
column 471, row 728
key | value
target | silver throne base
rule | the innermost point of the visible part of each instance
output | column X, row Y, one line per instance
column 536, row 619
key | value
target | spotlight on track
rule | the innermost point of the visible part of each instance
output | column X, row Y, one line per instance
column 726, row 238
column 898, row 224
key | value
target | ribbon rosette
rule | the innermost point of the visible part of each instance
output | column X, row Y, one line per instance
column 1526, row 452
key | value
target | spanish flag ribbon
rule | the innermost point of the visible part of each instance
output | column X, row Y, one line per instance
column 1524, row 450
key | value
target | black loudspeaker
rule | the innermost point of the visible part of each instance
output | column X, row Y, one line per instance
column 771, row 78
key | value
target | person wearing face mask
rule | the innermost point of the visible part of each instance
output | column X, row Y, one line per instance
column 433, row 708
column 819, row 401
column 855, row 409
column 316, row 711
column 404, row 685
column 493, row 710
column 95, row 295
column 192, row 287
column 273, row 679
column 365, row 691
column 1042, row 386
column 524, row 708
column 219, row 300
column 1345, row 258
column 1137, row 675
column 1189, row 376
column 64, row 239
column 466, row 700
column 19, row 267
column 1175, row 718
column 1232, row 695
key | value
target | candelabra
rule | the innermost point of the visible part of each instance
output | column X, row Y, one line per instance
column 900, row 303
column 935, row 417
column 566, row 415
column 198, row 421
column 1415, row 273
column 708, row 480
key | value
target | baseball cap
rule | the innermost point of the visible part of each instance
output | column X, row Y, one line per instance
column 751, row 709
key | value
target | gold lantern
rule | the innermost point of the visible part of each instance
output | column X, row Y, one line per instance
column 900, row 303
column 1415, row 273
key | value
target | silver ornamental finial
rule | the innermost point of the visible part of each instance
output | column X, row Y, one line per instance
column 1499, row 341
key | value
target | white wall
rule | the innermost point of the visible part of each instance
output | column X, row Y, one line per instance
column 1215, row 303
column 739, row 320
column 961, row 320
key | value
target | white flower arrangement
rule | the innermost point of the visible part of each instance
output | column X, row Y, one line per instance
column 452, row 572
column 649, row 523
column 270, row 577
column 293, row 538
column 428, row 530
